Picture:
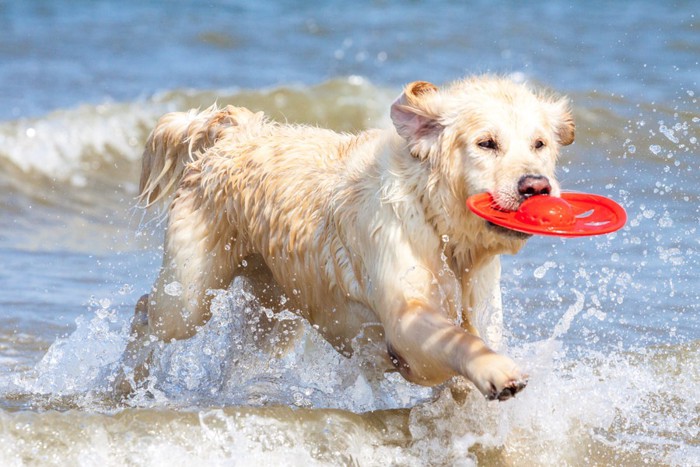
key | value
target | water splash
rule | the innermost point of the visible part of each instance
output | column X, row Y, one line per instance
column 244, row 356
column 604, row 408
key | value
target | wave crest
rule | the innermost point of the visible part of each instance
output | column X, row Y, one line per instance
column 104, row 142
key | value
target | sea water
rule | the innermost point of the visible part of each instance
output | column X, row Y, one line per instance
column 607, row 327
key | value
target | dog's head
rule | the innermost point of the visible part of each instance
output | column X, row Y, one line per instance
column 486, row 134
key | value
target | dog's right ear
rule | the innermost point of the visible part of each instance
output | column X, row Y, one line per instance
column 564, row 127
column 415, row 115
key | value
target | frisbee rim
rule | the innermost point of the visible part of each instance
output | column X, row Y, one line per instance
column 614, row 216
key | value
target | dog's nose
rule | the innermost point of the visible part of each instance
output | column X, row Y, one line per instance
column 532, row 185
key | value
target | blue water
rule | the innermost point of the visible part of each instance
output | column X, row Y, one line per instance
column 58, row 54
column 608, row 327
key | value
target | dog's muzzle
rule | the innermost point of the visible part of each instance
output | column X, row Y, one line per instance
column 514, row 234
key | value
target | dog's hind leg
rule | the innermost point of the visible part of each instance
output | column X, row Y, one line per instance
column 200, row 255
column 139, row 323
column 134, row 364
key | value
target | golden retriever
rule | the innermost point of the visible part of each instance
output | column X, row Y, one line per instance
column 362, row 230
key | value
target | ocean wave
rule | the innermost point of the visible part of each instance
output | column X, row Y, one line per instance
column 77, row 145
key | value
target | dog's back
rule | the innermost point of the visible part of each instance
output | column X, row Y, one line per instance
column 181, row 137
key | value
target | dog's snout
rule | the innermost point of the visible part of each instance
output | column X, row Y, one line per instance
column 532, row 185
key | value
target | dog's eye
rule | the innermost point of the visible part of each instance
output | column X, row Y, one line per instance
column 488, row 144
column 539, row 144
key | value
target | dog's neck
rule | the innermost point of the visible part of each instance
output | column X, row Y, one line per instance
column 464, row 238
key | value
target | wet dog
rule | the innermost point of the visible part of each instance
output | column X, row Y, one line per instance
column 365, row 230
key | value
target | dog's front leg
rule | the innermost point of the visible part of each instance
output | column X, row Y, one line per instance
column 482, row 307
column 427, row 348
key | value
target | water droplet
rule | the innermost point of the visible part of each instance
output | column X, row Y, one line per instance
column 174, row 289
column 445, row 238
column 665, row 221
column 655, row 148
column 631, row 148
column 540, row 272
column 669, row 134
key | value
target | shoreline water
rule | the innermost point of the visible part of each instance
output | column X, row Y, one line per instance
column 608, row 328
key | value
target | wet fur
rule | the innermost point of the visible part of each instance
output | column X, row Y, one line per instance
column 359, row 229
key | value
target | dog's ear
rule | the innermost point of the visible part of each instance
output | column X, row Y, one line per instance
column 563, row 121
column 415, row 115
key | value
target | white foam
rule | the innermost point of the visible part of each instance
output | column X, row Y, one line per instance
column 62, row 144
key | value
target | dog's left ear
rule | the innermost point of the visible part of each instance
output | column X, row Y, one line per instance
column 563, row 121
column 415, row 116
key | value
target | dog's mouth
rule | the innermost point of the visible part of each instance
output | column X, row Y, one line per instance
column 506, row 201
column 506, row 232
column 507, row 204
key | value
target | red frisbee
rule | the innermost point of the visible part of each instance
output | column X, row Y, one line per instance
column 572, row 215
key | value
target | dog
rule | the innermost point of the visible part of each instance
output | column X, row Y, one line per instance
column 361, row 230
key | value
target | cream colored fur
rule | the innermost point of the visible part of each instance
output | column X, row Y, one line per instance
column 366, row 228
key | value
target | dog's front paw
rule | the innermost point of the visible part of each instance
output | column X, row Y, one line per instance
column 496, row 376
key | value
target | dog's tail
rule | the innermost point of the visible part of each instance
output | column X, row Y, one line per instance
column 180, row 138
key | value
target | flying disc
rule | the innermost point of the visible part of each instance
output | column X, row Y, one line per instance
column 571, row 215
